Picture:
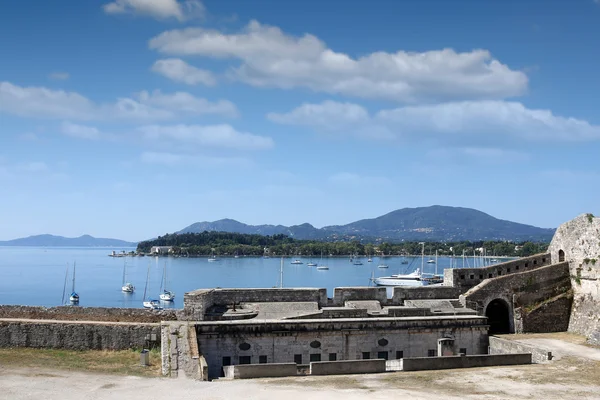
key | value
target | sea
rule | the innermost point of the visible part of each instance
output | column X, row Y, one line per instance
column 43, row 276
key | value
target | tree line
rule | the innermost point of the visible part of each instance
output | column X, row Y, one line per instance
column 229, row 244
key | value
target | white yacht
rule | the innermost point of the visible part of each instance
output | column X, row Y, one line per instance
column 322, row 267
column 296, row 262
column 126, row 286
column 166, row 295
column 412, row 279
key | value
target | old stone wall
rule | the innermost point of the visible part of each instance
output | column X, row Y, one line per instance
column 260, row 371
column 466, row 278
column 578, row 243
column 343, row 294
column 521, row 289
column 303, row 341
column 549, row 316
column 347, row 367
column 78, row 335
column 196, row 303
column 504, row 346
column 70, row 313
column 424, row 293
column 451, row 362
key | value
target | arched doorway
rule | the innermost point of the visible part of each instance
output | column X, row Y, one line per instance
column 561, row 256
column 498, row 317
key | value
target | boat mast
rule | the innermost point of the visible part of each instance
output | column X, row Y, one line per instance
column 422, row 256
column 73, row 291
column 147, row 277
column 124, row 266
column 281, row 274
column 65, row 285
column 436, row 258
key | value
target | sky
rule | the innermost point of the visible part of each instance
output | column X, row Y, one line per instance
column 134, row 118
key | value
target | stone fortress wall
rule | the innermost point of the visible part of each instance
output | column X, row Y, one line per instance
column 577, row 242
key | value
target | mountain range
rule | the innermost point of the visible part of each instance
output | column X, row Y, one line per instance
column 60, row 241
column 439, row 223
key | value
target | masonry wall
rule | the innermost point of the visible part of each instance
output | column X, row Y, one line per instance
column 579, row 239
column 468, row 277
column 424, row 293
column 279, row 342
column 343, row 294
column 433, row 363
column 551, row 315
column 504, row 346
column 70, row 313
column 78, row 335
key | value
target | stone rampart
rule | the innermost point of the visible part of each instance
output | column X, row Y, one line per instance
column 347, row 367
column 197, row 302
column 424, row 293
column 465, row 278
column 343, row 294
column 551, row 315
column 504, row 346
column 78, row 335
column 251, row 371
column 578, row 243
column 451, row 362
column 70, row 313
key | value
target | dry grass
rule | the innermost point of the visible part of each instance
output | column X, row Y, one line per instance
column 125, row 362
column 564, row 336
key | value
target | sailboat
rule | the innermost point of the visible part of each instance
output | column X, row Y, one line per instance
column 357, row 261
column 212, row 257
column 126, row 287
column 311, row 263
column 152, row 304
column 74, row 298
column 166, row 295
column 321, row 265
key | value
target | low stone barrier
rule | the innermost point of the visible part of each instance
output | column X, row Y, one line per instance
column 347, row 367
column 250, row 371
column 70, row 313
column 504, row 346
column 485, row 360
column 74, row 335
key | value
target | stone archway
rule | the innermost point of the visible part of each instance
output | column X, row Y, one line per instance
column 498, row 315
column 561, row 256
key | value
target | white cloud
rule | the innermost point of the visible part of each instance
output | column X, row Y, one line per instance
column 269, row 57
column 174, row 159
column 351, row 179
column 487, row 155
column 180, row 71
column 159, row 9
column 329, row 115
column 221, row 136
column 487, row 119
column 59, row 76
column 41, row 102
column 80, row 131
column 184, row 102
column 468, row 121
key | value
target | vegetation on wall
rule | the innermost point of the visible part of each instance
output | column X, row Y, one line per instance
column 225, row 243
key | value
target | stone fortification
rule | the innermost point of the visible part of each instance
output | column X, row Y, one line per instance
column 466, row 278
column 70, row 313
column 578, row 243
column 78, row 335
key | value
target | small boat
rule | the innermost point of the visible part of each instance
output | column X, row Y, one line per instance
column 412, row 279
column 152, row 304
column 311, row 264
column 296, row 262
column 166, row 295
column 74, row 297
column 430, row 261
column 369, row 260
column 126, row 286
column 494, row 260
column 357, row 262
column 382, row 266
column 322, row 267
column 212, row 257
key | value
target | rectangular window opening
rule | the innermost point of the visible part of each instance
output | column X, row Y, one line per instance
column 366, row 355
column 226, row 361
column 332, row 356
column 315, row 357
column 298, row 358
column 430, row 353
column 399, row 354
column 382, row 354
column 245, row 360
column 262, row 359
column 463, row 350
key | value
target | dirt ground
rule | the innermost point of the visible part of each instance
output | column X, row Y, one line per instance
column 575, row 375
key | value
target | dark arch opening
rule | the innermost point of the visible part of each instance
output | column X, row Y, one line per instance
column 561, row 256
column 498, row 317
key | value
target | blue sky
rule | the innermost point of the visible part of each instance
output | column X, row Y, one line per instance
column 133, row 118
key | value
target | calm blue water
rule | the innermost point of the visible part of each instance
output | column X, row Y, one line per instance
column 36, row 276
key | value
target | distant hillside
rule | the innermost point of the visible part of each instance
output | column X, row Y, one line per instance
column 435, row 223
column 60, row 241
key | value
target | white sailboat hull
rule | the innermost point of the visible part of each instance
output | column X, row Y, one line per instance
column 393, row 281
column 167, row 296
column 128, row 288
